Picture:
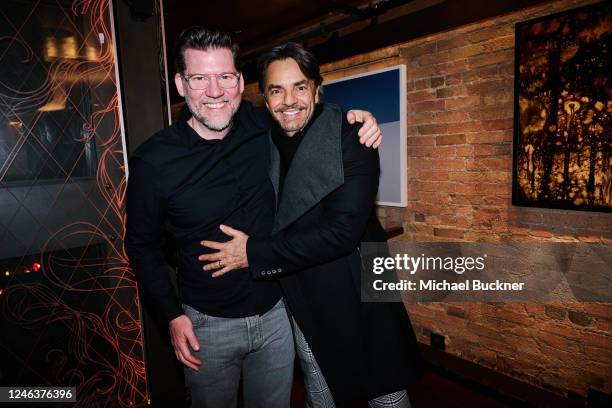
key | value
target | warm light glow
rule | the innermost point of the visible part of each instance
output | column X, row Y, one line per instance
column 16, row 123
column 50, row 48
column 36, row 267
column 57, row 102
column 7, row 273
column 92, row 53
column 69, row 47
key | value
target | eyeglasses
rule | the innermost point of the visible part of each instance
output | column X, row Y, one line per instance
column 226, row 80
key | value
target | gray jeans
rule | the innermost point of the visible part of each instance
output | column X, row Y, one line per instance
column 261, row 347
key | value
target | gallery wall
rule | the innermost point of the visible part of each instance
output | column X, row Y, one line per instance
column 460, row 130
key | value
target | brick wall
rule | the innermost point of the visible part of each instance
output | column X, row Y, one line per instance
column 460, row 115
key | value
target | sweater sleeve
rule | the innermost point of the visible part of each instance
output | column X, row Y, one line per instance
column 144, row 239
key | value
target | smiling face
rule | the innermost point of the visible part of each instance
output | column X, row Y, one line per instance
column 212, row 108
column 290, row 96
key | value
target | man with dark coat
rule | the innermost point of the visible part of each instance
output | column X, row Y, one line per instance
column 326, row 185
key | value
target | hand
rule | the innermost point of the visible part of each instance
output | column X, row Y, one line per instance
column 370, row 133
column 230, row 255
column 183, row 337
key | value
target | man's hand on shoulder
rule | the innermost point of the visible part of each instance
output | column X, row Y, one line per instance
column 369, row 133
column 184, row 340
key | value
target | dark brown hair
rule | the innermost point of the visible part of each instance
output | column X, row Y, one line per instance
column 204, row 38
column 305, row 59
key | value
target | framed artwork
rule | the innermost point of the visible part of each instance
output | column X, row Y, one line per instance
column 563, row 133
column 382, row 92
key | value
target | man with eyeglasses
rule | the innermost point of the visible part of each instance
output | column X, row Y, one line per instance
column 184, row 182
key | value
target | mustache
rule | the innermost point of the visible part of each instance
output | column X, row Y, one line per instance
column 215, row 101
column 284, row 108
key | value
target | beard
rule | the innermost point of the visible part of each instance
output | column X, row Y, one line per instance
column 218, row 125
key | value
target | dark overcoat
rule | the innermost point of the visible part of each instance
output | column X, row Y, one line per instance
column 325, row 211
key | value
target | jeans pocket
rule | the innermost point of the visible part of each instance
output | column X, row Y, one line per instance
column 197, row 318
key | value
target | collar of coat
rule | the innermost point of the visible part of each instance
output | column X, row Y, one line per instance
column 316, row 169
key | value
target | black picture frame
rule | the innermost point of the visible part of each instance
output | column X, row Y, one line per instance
column 562, row 150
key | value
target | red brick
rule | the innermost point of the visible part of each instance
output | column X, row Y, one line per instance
column 432, row 129
column 420, row 141
column 423, row 95
column 536, row 309
column 451, row 117
column 556, row 313
column 429, row 106
column 497, row 136
column 432, row 59
column 489, row 163
column 415, row 51
column 464, row 51
column 485, row 34
column 421, row 72
column 493, row 188
column 466, row 188
column 507, row 70
column 501, row 99
column 421, row 118
column 448, row 164
column 589, row 238
column 421, row 151
column 559, row 342
column 496, row 200
column 491, row 58
column 560, row 330
column 604, row 324
column 602, row 355
column 450, row 139
column 451, row 91
column 464, row 151
column 453, row 79
column 488, row 114
column 433, row 175
column 481, row 355
column 464, row 199
column 486, row 87
column 451, row 67
column 454, row 42
column 463, row 103
column 488, row 72
column 497, row 124
column 421, row 84
column 579, row 318
column 492, row 150
column 526, row 216
column 437, row 82
column 472, row 126
column 599, row 309
column 597, row 340
column 449, row 233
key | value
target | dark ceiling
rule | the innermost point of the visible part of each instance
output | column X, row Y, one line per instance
column 333, row 29
column 251, row 21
